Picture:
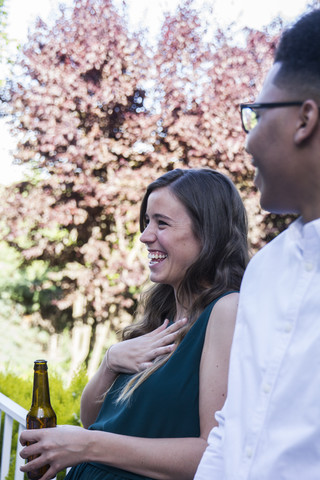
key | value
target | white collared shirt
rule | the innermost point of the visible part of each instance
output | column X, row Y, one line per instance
column 269, row 428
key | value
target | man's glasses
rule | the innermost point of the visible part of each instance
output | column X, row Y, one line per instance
column 249, row 114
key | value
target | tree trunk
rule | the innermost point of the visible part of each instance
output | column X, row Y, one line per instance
column 80, row 345
column 100, row 344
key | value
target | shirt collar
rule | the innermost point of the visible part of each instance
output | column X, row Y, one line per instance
column 299, row 230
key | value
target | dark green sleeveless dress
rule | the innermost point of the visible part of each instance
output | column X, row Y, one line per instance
column 166, row 405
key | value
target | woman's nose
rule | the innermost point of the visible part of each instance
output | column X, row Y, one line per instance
column 148, row 235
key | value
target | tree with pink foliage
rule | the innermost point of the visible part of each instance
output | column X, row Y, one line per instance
column 100, row 114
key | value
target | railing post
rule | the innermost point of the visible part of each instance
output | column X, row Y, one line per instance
column 12, row 411
column 6, row 446
column 18, row 475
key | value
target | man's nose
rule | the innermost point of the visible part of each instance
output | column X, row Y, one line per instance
column 246, row 143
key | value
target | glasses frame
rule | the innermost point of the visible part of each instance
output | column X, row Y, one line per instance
column 253, row 106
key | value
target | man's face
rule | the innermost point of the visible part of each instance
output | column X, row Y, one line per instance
column 271, row 144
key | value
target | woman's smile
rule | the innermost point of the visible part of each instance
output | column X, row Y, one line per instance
column 156, row 257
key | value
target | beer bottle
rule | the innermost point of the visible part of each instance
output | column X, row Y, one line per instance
column 41, row 413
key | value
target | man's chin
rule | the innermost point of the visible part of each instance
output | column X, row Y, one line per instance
column 269, row 205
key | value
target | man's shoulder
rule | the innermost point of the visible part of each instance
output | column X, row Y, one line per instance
column 270, row 249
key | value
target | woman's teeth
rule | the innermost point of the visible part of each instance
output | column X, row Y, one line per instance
column 156, row 257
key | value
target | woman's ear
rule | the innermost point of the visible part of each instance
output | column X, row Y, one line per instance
column 307, row 121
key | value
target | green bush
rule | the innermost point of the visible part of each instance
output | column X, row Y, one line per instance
column 65, row 401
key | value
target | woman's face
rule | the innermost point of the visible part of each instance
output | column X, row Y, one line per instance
column 169, row 238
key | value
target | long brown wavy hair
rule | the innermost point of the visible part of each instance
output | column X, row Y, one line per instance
column 219, row 221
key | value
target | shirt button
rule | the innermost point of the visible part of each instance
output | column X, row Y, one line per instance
column 308, row 267
column 248, row 452
column 266, row 388
column 288, row 327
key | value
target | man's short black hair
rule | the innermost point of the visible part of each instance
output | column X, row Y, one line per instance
column 299, row 54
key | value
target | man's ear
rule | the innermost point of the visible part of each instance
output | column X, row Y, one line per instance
column 307, row 121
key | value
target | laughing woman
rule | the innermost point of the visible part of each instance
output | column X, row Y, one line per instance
column 149, row 409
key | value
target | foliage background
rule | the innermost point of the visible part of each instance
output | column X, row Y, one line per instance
column 99, row 113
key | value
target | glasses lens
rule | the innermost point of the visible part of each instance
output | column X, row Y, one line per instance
column 249, row 118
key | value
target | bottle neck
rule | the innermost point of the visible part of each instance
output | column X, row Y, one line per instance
column 41, row 395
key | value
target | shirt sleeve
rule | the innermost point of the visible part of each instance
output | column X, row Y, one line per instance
column 211, row 464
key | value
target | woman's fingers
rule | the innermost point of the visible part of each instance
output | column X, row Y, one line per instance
column 145, row 365
column 164, row 329
column 138, row 353
column 170, row 334
column 164, row 343
column 158, row 330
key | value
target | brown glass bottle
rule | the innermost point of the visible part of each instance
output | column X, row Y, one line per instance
column 41, row 413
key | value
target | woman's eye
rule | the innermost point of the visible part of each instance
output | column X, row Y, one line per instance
column 162, row 223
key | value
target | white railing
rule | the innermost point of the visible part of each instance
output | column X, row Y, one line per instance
column 12, row 411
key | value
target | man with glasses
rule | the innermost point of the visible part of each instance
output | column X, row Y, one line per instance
column 269, row 427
